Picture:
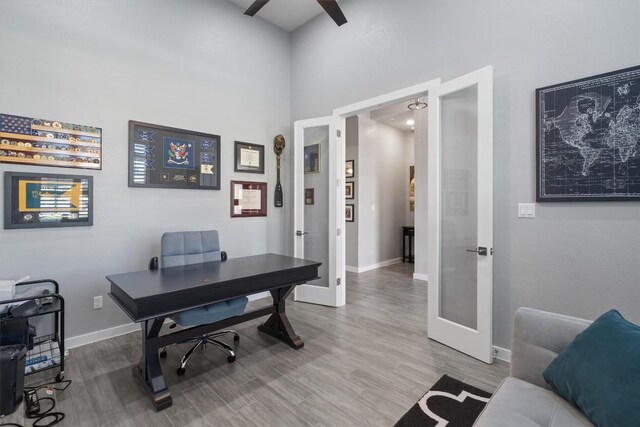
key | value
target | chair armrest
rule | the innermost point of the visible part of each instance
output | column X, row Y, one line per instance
column 538, row 337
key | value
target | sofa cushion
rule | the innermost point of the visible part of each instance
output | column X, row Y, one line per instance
column 522, row 404
column 600, row 371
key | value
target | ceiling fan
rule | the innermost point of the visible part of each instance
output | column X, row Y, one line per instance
column 330, row 6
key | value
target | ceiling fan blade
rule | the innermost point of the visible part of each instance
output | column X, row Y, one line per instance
column 255, row 7
column 334, row 11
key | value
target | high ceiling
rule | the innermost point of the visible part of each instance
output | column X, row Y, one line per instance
column 286, row 14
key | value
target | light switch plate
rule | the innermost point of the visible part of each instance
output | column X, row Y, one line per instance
column 526, row 210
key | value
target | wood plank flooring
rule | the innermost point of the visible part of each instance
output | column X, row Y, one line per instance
column 364, row 364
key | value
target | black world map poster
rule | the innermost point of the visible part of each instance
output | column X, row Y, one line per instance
column 588, row 138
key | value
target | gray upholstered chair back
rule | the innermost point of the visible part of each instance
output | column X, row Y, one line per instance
column 189, row 247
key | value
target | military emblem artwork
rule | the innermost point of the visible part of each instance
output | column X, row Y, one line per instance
column 27, row 140
column 278, row 148
column 36, row 200
column 166, row 157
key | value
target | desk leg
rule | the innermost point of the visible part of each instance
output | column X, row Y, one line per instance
column 278, row 324
column 149, row 371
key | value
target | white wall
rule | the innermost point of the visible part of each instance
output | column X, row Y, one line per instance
column 381, row 201
column 201, row 66
column 576, row 258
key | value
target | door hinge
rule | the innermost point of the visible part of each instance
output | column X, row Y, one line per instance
column 338, row 133
column 491, row 251
column 339, row 232
column 338, row 281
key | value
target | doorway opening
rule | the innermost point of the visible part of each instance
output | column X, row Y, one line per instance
column 380, row 188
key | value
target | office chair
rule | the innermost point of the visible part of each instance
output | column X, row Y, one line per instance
column 192, row 247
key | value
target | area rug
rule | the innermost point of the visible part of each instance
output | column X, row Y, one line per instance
column 448, row 402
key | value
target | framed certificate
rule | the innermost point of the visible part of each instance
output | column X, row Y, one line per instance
column 248, row 157
column 248, row 199
column 37, row 200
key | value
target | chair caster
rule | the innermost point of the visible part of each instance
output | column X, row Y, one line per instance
column 181, row 371
column 236, row 338
column 163, row 354
column 231, row 359
column 60, row 377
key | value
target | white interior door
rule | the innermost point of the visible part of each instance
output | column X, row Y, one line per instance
column 460, row 213
column 319, row 208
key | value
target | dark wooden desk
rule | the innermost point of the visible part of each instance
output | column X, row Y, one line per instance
column 150, row 296
column 407, row 231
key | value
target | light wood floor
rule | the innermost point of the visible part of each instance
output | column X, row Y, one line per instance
column 364, row 364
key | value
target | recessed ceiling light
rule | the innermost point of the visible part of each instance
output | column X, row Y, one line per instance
column 410, row 122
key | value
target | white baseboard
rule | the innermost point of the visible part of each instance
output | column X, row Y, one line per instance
column 420, row 276
column 85, row 339
column 502, row 353
column 372, row 266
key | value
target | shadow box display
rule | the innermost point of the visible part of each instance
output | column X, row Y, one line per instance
column 248, row 199
column 36, row 200
column 166, row 157
column 43, row 142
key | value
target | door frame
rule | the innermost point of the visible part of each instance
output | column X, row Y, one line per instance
column 405, row 94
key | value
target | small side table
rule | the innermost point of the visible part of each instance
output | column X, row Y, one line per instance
column 407, row 231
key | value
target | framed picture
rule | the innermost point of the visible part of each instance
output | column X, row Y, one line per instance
column 350, row 169
column 248, row 199
column 349, row 213
column 42, row 142
column 412, row 188
column 37, row 200
column 309, row 198
column 587, row 141
column 312, row 158
column 248, row 157
column 349, row 190
column 166, row 157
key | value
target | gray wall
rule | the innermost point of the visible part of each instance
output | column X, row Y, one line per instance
column 201, row 66
column 381, row 197
column 576, row 258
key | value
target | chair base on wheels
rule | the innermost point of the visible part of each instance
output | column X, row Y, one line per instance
column 202, row 341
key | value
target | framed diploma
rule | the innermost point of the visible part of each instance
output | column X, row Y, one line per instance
column 248, row 199
column 166, row 157
column 37, row 200
column 248, row 157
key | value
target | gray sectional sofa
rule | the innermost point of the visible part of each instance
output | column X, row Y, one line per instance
column 524, row 399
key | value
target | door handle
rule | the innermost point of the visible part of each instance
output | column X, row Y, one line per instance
column 301, row 233
column 481, row 250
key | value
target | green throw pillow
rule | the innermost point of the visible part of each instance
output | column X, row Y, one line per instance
column 599, row 372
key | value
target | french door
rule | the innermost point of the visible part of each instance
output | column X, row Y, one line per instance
column 460, row 213
column 319, row 208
